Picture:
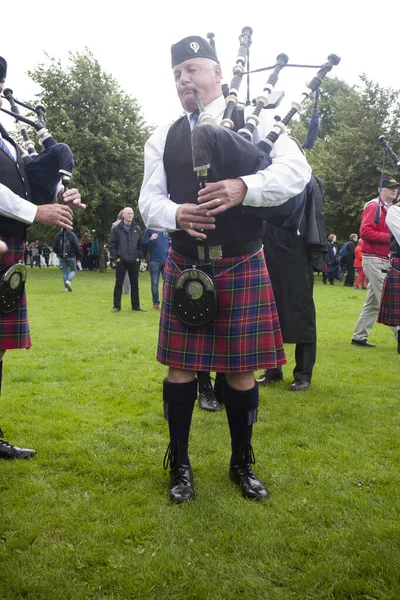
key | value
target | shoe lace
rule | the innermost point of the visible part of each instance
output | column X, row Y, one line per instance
column 6, row 444
column 173, row 454
column 208, row 395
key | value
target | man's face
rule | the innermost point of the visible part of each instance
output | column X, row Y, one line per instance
column 197, row 74
column 127, row 215
column 389, row 195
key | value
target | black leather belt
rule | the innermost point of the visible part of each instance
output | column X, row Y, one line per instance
column 216, row 252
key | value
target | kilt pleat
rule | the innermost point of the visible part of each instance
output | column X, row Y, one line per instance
column 14, row 327
column 245, row 334
column 389, row 310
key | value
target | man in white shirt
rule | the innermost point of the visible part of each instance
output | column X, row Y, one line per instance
column 17, row 209
column 244, row 335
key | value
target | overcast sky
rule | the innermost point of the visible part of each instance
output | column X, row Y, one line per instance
column 132, row 41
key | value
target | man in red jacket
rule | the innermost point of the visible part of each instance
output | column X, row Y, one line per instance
column 375, row 258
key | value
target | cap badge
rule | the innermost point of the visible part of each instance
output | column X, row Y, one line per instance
column 195, row 47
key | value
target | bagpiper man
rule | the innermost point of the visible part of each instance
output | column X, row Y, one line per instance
column 16, row 211
column 244, row 334
column 389, row 311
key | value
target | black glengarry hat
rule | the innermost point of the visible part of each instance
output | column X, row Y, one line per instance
column 389, row 182
column 191, row 47
column 3, row 69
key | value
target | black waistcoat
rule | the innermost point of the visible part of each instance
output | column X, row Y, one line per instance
column 182, row 183
column 13, row 176
column 394, row 246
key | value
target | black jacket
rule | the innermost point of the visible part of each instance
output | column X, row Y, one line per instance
column 126, row 245
column 72, row 244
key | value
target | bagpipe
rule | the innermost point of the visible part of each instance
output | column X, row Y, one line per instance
column 219, row 152
column 48, row 172
column 225, row 154
column 394, row 159
column 47, row 169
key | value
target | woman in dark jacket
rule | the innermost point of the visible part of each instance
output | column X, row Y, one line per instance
column 331, row 259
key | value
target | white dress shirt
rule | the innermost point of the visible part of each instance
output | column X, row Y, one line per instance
column 14, row 206
column 393, row 221
column 286, row 177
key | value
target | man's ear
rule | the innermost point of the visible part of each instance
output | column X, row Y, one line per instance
column 218, row 73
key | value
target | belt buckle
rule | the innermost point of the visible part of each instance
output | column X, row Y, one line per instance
column 215, row 252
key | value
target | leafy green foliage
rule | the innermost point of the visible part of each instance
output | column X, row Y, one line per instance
column 87, row 110
column 347, row 155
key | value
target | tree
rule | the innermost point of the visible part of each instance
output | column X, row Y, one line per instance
column 86, row 109
column 347, row 155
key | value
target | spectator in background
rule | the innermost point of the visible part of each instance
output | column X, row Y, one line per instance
column 35, row 254
column 94, row 255
column 361, row 277
column 126, row 248
column 331, row 260
column 157, row 243
column 46, row 254
column 347, row 256
column 85, row 246
column 27, row 252
column 68, row 253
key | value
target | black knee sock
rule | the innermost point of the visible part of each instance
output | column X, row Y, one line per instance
column 179, row 400
column 241, row 410
column 1, row 377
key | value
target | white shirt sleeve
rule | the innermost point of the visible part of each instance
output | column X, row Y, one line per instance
column 393, row 221
column 15, row 207
column 157, row 209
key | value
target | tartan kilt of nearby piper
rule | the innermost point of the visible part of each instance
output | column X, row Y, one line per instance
column 389, row 311
column 245, row 334
column 14, row 326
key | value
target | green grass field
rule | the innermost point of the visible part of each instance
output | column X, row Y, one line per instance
column 88, row 518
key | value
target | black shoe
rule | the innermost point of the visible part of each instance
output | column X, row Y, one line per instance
column 9, row 451
column 181, row 484
column 299, row 385
column 398, row 341
column 208, row 401
column 364, row 343
column 115, row 309
column 140, row 309
column 270, row 377
column 251, row 486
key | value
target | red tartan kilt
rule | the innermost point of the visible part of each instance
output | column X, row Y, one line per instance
column 389, row 311
column 14, row 327
column 244, row 336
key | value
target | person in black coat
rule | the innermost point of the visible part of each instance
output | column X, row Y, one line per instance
column 291, row 261
column 347, row 260
column 126, row 249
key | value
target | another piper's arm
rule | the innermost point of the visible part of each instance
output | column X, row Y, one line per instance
column 286, row 177
column 393, row 221
column 157, row 210
column 15, row 207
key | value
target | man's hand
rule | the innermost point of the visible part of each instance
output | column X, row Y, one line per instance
column 192, row 218
column 73, row 198
column 153, row 237
column 54, row 214
column 217, row 197
column 3, row 247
